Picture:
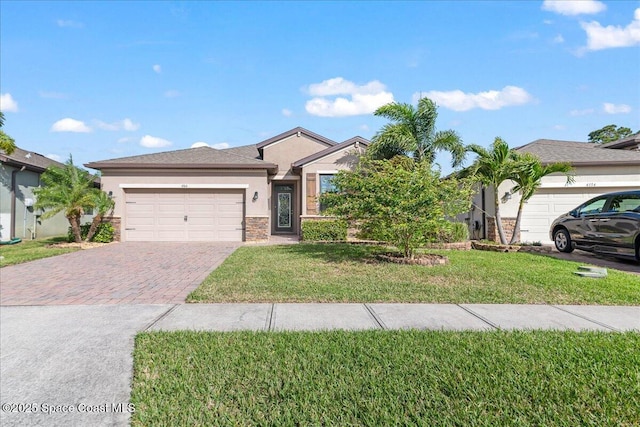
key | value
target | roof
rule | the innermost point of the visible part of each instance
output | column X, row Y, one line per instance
column 321, row 139
column 191, row 158
column 579, row 153
column 327, row 151
column 30, row 160
column 630, row 141
column 250, row 151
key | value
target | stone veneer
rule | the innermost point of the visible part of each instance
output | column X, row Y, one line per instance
column 116, row 222
column 508, row 224
column 256, row 228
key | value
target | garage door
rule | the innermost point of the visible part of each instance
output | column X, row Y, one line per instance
column 547, row 205
column 184, row 215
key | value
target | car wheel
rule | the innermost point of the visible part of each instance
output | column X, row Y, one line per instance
column 562, row 239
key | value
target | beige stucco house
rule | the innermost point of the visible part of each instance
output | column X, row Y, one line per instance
column 246, row 193
column 598, row 169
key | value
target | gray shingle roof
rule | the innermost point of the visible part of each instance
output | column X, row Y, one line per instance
column 250, row 151
column 201, row 157
column 579, row 153
column 29, row 159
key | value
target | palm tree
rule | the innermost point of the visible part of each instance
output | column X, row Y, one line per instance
column 7, row 144
column 102, row 205
column 528, row 176
column 412, row 131
column 69, row 189
column 492, row 168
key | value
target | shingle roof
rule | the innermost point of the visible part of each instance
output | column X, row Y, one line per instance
column 631, row 140
column 31, row 160
column 579, row 153
column 198, row 158
column 250, row 151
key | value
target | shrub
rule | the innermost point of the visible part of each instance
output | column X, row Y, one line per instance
column 326, row 229
column 449, row 232
column 104, row 233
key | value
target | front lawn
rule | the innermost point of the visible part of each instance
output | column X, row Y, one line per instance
column 29, row 250
column 348, row 273
column 387, row 378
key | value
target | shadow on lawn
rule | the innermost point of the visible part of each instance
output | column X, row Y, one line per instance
column 335, row 252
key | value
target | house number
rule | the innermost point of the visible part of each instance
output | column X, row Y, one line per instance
column 591, row 184
column 185, row 186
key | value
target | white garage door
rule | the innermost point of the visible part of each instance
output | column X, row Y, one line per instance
column 547, row 205
column 184, row 215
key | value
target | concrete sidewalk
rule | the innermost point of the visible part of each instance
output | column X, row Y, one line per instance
column 313, row 317
column 77, row 359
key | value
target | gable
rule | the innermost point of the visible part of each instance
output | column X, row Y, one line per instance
column 290, row 148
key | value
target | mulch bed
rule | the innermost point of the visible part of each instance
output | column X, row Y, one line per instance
column 427, row 260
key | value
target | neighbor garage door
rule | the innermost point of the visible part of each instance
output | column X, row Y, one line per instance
column 548, row 204
column 184, row 215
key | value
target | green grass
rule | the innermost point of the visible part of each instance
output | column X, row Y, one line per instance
column 387, row 378
column 347, row 273
column 29, row 250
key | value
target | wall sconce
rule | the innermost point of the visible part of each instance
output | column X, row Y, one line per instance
column 255, row 196
column 506, row 197
column 110, row 194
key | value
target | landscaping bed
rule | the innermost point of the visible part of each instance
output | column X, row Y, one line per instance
column 351, row 273
column 386, row 378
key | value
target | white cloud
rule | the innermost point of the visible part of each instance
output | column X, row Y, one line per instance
column 364, row 128
column 199, row 144
column 558, row 39
column 286, row 112
column 457, row 100
column 172, row 94
column 574, row 7
column 585, row 112
column 8, row 104
column 157, row 68
column 53, row 95
column 616, row 109
column 220, row 145
column 69, row 23
column 55, row 157
column 559, row 127
column 364, row 99
column 126, row 124
column 599, row 37
column 149, row 141
column 125, row 139
column 70, row 125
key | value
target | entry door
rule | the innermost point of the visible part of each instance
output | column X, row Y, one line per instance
column 283, row 208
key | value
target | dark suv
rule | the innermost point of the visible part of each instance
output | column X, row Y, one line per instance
column 608, row 224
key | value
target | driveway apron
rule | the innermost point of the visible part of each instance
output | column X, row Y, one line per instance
column 120, row 273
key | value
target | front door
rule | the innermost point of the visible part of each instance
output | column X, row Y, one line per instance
column 283, row 208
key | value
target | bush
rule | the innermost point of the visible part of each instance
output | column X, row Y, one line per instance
column 324, row 230
column 104, row 233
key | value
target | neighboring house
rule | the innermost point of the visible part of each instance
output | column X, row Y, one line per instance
column 19, row 175
column 598, row 169
column 243, row 193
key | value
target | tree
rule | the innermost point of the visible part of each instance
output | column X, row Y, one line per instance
column 528, row 174
column 7, row 144
column 413, row 131
column 67, row 189
column 609, row 133
column 399, row 201
column 102, row 205
column 493, row 167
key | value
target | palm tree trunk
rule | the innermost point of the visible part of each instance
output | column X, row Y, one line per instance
column 94, row 226
column 503, row 239
column 516, row 228
column 74, row 220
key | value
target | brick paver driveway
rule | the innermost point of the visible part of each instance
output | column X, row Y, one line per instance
column 121, row 273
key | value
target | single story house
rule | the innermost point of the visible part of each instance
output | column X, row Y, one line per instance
column 598, row 169
column 246, row 193
column 19, row 174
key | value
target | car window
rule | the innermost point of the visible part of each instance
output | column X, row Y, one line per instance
column 625, row 203
column 594, row 207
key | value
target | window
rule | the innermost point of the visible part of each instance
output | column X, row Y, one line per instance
column 625, row 203
column 326, row 186
column 592, row 208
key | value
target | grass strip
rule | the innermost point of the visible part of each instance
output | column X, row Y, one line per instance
column 430, row 378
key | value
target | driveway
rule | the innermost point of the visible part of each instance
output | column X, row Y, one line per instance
column 598, row 260
column 121, row 273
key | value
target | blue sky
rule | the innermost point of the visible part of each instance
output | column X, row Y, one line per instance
column 101, row 80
